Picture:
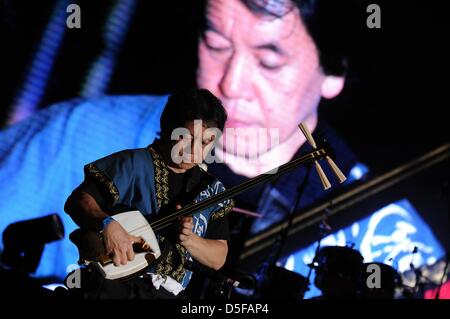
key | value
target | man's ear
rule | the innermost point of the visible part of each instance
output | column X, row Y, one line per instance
column 332, row 86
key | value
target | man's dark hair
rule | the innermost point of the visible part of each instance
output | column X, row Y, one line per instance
column 189, row 105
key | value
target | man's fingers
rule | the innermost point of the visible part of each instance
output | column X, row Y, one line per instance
column 116, row 258
column 130, row 254
column 188, row 225
column 123, row 257
column 186, row 231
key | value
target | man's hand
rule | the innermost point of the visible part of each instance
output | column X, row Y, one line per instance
column 119, row 243
column 186, row 234
column 209, row 252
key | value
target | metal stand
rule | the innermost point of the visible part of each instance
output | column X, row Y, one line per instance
column 324, row 231
column 264, row 273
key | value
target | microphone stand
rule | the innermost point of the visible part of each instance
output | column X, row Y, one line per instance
column 324, row 231
column 264, row 272
column 421, row 280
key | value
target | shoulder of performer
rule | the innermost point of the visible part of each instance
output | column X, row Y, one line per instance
column 121, row 159
column 116, row 172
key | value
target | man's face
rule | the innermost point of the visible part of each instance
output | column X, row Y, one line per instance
column 265, row 70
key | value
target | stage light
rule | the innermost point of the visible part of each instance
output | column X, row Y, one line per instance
column 24, row 242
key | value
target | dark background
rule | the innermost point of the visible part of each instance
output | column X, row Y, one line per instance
column 390, row 113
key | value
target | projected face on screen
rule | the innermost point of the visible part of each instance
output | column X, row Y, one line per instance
column 265, row 69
